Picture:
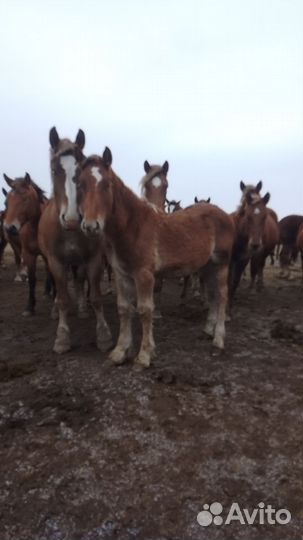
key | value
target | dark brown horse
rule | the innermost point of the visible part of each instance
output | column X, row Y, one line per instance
column 64, row 244
column 256, row 237
column 24, row 206
column 173, row 206
column 288, row 232
column 15, row 244
column 144, row 242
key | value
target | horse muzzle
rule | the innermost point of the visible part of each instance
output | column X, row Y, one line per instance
column 11, row 229
column 92, row 227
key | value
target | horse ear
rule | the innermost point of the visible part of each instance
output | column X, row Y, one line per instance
column 80, row 139
column 208, row 200
column 53, row 138
column 8, row 180
column 146, row 166
column 165, row 167
column 266, row 198
column 27, row 178
column 107, row 157
column 242, row 185
column 4, row 192
column 196, row 199
column 259, row 186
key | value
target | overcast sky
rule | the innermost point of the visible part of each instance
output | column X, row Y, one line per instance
column 213, row 86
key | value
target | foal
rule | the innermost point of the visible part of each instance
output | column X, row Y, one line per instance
column 64, row 244
column 14, row 242
column 255, row 239
column 144, row 242
column 24, row 206
column 154, row 184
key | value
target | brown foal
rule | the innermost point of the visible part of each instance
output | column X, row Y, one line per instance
column 64, row 244
column 25, row 204
column 144, row 242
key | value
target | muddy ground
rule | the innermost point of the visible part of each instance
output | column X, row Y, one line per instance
column 91, row 451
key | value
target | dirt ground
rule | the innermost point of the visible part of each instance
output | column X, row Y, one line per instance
column 90, row 451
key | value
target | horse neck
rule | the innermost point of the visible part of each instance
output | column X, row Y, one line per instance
column 35, row 212
column 126, row 211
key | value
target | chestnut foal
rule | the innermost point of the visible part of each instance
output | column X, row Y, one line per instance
column 154, row 184
column 144, row 242
column 64, row 244
column 25, row 204
column 256, row 237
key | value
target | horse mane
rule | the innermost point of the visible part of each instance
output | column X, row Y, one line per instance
column 40, row 192
column 154, row 171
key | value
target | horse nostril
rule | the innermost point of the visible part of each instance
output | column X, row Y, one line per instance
column 11, row 229
column 97, row 225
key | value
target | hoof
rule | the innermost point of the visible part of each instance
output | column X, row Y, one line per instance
column 61, row 346
column 209, row 329
column 218, row 342
column 142, row 361
column 18, row 279
column 118, row 356
column 27, row 313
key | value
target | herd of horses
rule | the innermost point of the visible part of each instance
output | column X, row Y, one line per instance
column 93, row 220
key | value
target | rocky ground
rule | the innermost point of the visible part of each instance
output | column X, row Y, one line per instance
column 90, row 451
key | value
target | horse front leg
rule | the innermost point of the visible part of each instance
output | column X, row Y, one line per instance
column 144, row 282
column 103, row 333
column 126, row 310
column 62, row 342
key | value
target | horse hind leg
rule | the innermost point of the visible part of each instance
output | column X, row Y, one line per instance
column 222, row 297
column 30, row 262
column 209, row 278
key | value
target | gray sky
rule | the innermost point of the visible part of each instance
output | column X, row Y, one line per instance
column 213, row 86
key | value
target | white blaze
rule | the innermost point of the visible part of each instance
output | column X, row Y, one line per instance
column 68, row 163
column 257, row 211
column 156, row 182
column 96, row 174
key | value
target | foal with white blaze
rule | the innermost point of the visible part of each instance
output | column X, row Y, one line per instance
column 143, row 242
column 154, row 184
column 63, row 243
